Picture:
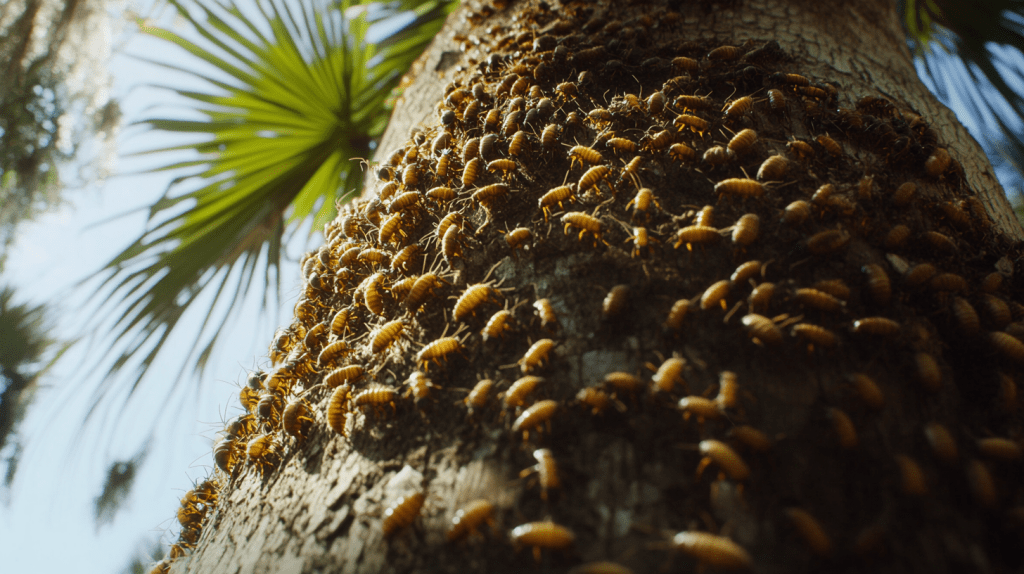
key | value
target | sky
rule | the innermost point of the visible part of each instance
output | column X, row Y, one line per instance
column 48, row 525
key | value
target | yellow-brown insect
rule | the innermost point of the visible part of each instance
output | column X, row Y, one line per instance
column 402, row 514
column 349, row 373
column 868, row 390
column 518, row 237
column 717, row 155
column 745, row 271
column 830, row 145
column 332, row 352
column 643, row 200
column 920, row 274
column 746, row 230
column 632, row 167
column 419, row 386
column 421, row 289
column 542, row 535
column 844, row 428
column 725, row 457
column 796, row 213
column 520, row 86
column 585, row 154
column 685, row 64
column 655, row 103
column 658, row 141
column 739, row 187
column 897, row 236
column 491, row 119
column 452, row 219
column 983, row 486
column 386, row 334
column 878, row 283
column 536, row 354
column 516, row 394
column 640, row 240
column 742, row 141
column 555, row 196
column 946, row 282
column 940, row 242
column 404, row 201
column 762, row 329
column 705, row 216
column 776, row 100
column 477, row 397
column 810, row 530
column 372, row 295
column 725, row 53
column 505, row 166
column 622, row 144
column 876, row 326
column 793, row 79
column 226, row 452
column 549, row 137
column 818, row 300
column 1007, row 345
column 738, row 108
column 999, row 448
column 497, row 324
column 991, row 282
column 996, row 311
column 338, row 409
column 911, row 476
column 450, row 244
column 696, row 124
column 692, row 102
column 682, row 152
column 296, row 414
column 547, row 471
column 546, row 312
column 440, row 195
column 472, row 298
column 937, row 163
column 487, row 194
column 701, row 407
column 928, row 372
column 585, row 223
column 468, row 518
column 592, row 177
column 751, row 438
column 715, row 295
column 669, row 373
column 696, row 234
column 263, row 451
column 538, row 414
column 567, row 90
column 388, row 228
column 815, row 334
column 904, row 194
column 801, row 149
column 942, row 442
column 438, row 350
column 615, row 302
column 470, row 149
column 828, row 241
column 719, row 552
column 375, row 396
column 519, row 144
column 600, row 116
column 677, row 314
column 773, row 168
column 471, row 171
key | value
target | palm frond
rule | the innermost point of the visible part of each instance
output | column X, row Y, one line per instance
column 295, row 95
column 985, row 38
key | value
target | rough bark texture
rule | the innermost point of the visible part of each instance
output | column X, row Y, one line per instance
column 631, row 469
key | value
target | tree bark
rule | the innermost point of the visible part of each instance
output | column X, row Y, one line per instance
column 632, row 471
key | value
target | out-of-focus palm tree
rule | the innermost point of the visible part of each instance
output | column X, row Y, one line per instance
column 300, row 96
column 27, row 351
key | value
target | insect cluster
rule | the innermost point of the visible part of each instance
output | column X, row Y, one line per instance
column 712, row 249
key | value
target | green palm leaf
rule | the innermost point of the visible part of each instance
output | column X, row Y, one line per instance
column 986, row 36
column 298, row 94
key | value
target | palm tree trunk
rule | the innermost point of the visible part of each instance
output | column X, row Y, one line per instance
column 846, row 384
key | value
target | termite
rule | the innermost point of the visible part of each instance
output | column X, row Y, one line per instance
column 385, row 335
column 469, row 518
column 542, row 535
column 536, row 415
column 536, row 354
column 473, row 297
column 585, row 223
column 547, row 471
column 725, row 457
column 402, row 514
column 668, row 374
column 716, row 551
column 516, row 394
column 437, row 350
column 810, row 530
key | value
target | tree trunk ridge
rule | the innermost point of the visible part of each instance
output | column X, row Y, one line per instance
column 797, row 313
